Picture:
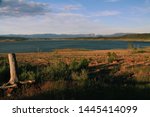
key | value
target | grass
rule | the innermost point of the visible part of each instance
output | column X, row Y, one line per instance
column 91, row 90
column 105, row 75
column 142, row 74
column 111, row 57
column 4, row 70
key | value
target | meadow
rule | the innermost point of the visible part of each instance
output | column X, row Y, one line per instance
column 81, row 74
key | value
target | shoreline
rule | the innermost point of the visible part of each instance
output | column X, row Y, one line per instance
column 66, row 39
column 82, row 50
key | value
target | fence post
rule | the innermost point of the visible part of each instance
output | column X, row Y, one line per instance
column 13, row 68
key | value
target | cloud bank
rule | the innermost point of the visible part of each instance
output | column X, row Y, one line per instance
column 21, row 8
column 29, row 17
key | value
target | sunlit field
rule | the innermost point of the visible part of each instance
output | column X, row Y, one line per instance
column 80, row 74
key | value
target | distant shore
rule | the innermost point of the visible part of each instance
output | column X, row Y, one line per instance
column 144, row 37
column 97, row 39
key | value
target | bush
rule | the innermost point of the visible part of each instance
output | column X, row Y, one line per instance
column 83, row 75
column 27, row 75
column 78, row 66
column 112, row 57
column 74, row 66
column 83, row 64
column 27, row 72
column 57, row 71
column 62, row 71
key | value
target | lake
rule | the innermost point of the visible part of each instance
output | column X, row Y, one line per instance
column 46, row 46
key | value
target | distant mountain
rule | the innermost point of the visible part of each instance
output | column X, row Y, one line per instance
column 133, row 36
column 52, row 35
column 66, row 35
column 116, row 35
column 7, row 38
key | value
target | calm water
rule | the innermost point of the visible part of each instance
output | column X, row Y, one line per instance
column 46, row 46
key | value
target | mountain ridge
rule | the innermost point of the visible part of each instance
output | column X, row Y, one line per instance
column 124, row 36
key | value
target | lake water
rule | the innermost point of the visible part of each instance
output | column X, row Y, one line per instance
column 46, row 46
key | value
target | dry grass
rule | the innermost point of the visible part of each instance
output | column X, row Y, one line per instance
column 128, row 64
column 126, row 58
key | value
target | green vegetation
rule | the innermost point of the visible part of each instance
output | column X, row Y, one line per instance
column 11, row 39
column 4, row 70
column 137, row 36
column 78, row 80
column 53, row 72
column 125, row 37
column 135, row 49
column 25, row 72
column 112, row 57
column 142, row 73
column 130, row 37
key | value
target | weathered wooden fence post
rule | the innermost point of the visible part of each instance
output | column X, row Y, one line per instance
column 13, row 68
column 8, row 88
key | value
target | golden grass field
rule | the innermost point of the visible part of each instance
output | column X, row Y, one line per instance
column 135, row 61
column 128, row 58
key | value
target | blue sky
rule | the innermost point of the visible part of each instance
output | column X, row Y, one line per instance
column 74, row 16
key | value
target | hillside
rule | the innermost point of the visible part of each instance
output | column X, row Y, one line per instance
column 11, row 39
column 136, row 36
column 117, row 36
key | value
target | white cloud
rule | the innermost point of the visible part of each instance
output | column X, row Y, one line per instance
column 106, row 13
column 63, row 23
column 52, row 23
column 56, row 18
column 72, row 7
column 21, row 8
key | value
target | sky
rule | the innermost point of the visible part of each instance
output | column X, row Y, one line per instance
column 74, row 16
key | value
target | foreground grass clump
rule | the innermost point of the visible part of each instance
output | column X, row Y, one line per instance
column 142, row 73
column 56, row 71
column 112, row 57
column 4, row 70
column 63, row 71
column 27, row 72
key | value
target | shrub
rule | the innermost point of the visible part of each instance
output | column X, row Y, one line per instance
column 83, row 75
column 111, row 57
column 62, row 71
column 27, row 72
column 27, row 75
column 83, row 64
column 74, row 66
column 57, row 71
column 78, row 66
